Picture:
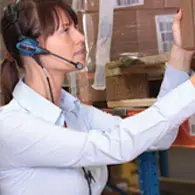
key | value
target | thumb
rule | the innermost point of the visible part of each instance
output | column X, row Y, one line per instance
column 177, row 20
column 178, row 17
column 177, row 28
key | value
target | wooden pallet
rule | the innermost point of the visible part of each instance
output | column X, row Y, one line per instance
column 153, row 66
column 137, row 103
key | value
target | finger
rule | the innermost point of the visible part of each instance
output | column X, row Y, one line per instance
column 178, row 16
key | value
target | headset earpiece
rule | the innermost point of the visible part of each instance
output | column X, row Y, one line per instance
column 26, row 46
column 30, row 47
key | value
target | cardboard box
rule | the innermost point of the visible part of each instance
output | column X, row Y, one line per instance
column 93, row 5
column 141, row 33
column 133, row 31
column 88, row 25
column 154, row 30
column 85, row 92
column 172, row 3
column 188, row 24
column 127, row 86
column 124, row 34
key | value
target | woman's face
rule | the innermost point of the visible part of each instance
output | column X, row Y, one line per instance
column 67, row 42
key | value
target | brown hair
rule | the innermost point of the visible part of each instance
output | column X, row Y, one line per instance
column 36, row 17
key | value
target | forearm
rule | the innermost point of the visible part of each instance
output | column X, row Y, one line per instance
column 177, row 72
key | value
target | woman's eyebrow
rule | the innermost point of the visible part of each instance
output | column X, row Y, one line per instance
column 66, row 24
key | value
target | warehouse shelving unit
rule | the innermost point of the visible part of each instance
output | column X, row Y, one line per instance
column 151, row 164
column 148, row 174
column 147, row 164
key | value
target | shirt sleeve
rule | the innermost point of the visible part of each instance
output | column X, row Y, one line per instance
column 172, row 79
column 29, row 142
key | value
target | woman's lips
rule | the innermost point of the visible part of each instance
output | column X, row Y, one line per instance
column 80, row 52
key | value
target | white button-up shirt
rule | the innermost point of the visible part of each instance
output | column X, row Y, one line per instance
column 38, row 156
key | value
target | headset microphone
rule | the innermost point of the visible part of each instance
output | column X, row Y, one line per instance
column 30, row 47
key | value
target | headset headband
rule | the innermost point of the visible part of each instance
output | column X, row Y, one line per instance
column 26, row 46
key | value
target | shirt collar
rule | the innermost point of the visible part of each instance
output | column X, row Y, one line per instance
column 69, row 103
column 41, row 107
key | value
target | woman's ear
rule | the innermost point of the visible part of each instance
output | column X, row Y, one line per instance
column 42, row 41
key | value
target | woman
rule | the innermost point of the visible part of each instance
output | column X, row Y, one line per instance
column 39, row 154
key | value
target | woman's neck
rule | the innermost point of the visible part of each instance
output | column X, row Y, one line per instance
column 36, row 79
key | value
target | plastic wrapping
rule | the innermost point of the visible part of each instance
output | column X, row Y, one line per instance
column 98, row 33
column 98, row 44
column 85, row 5
column 82, row 82
column 96, row 19
column 81, row 87
column 73, row 76
column 106, row 15
column 89, row 27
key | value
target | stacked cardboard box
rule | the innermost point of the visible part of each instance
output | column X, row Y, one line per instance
column 93, row 5
column 145, row 28
column 188, row 24
column 172, row 3
column 85, row 92
column 134, row 79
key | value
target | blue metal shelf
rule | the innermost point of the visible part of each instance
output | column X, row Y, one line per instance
column 148, row 174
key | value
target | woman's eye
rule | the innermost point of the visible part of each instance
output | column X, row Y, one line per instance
column 65, row 29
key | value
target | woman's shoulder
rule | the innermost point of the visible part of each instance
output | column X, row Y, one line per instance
column 11, row 106
column 15, row 121
column 12, row 114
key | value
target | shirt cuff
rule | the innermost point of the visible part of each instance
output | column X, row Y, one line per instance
column 172, row 79
column 176, row 74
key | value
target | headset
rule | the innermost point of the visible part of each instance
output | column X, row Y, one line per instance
column 30, row 47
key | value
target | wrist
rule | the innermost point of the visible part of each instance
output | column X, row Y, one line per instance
column 180, row 58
